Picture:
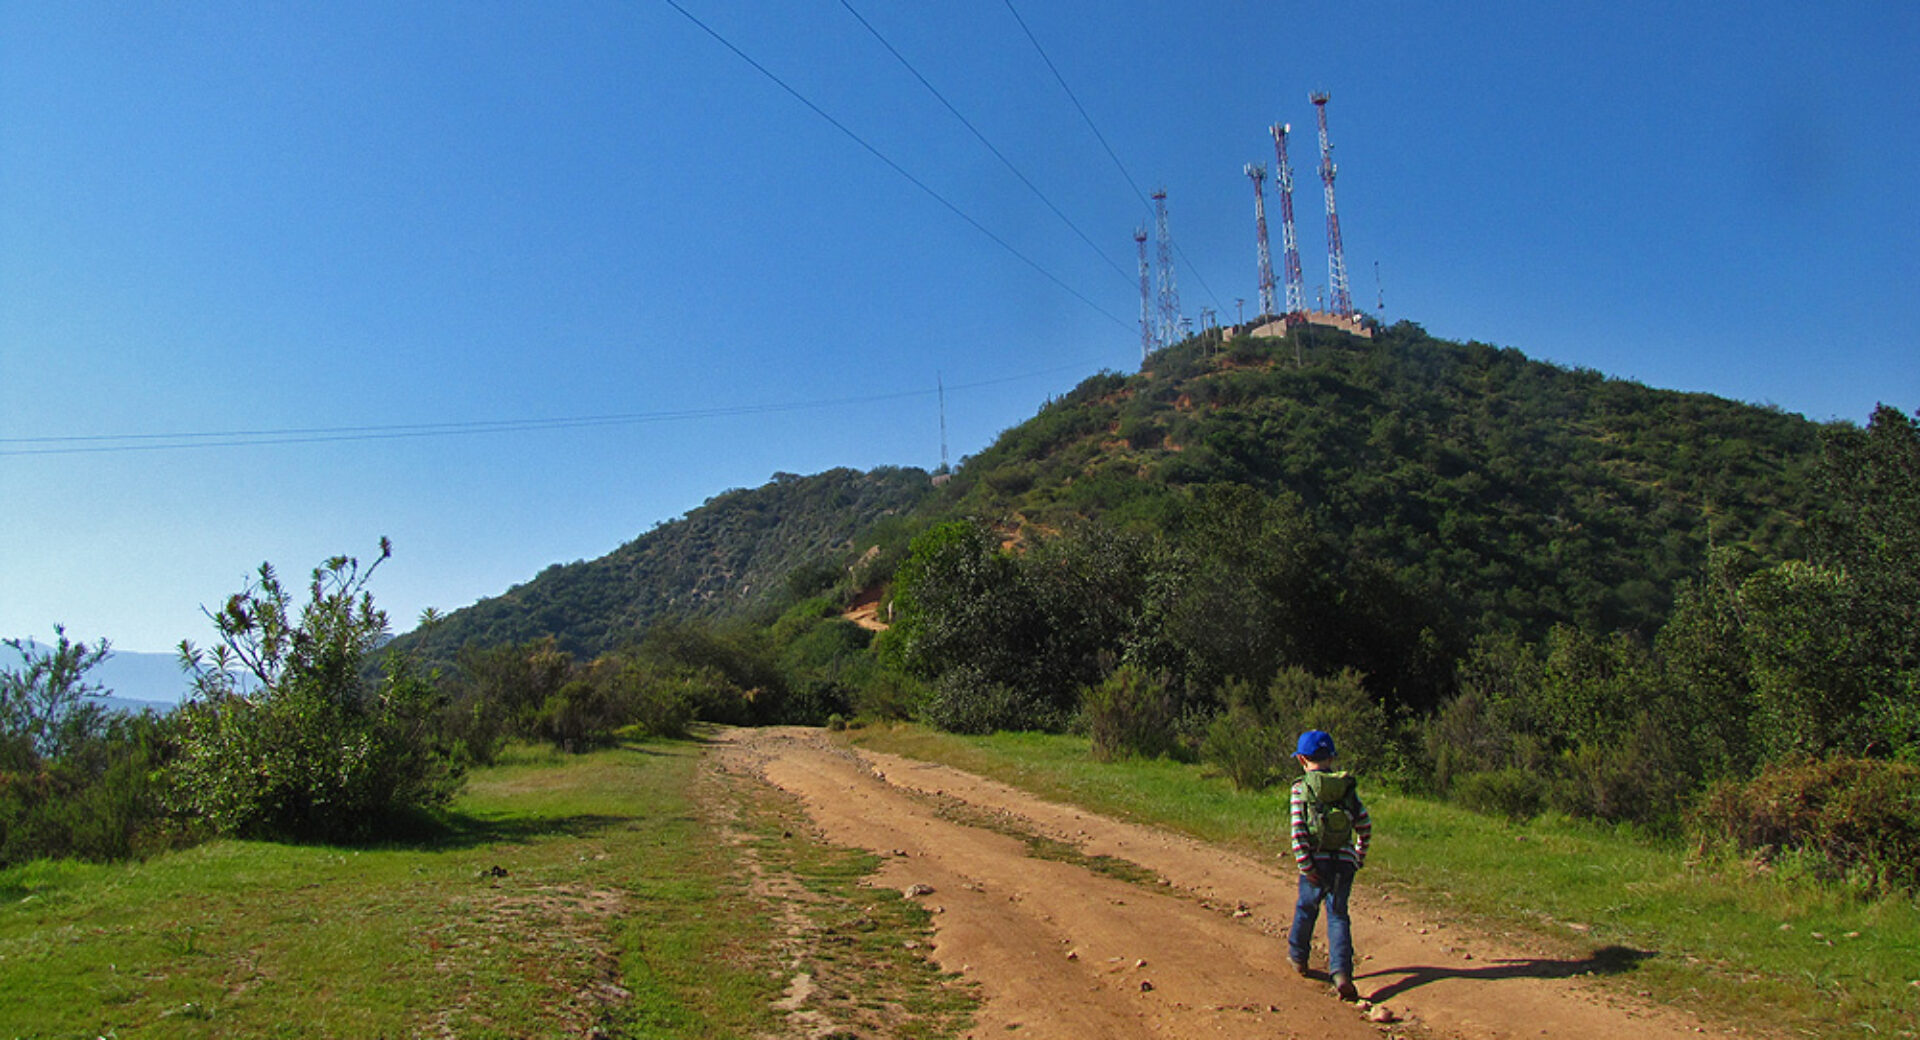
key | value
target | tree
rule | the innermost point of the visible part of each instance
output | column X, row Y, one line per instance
column 44, row 703
column 290, row 733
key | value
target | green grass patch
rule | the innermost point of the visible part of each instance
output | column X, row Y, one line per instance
column 624, row 890
column 1724, row 938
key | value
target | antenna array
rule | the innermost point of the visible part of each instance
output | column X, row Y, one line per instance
column 1258, row 174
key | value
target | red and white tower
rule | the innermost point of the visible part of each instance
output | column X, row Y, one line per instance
column 1289, row 242
column 1146, row 295
column 1342, row 303
column 1258, row 174
column 1169, row 331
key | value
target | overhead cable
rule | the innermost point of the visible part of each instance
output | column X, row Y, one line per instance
column 1102, row 138
column 896, row 167
column 131, row 442
column 968, row 123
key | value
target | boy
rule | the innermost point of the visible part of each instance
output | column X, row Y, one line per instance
column 1331, row 831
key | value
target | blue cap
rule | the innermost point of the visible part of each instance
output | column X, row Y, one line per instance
column 1315, row 744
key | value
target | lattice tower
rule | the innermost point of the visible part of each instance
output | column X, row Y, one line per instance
column 1146, row 295
column 1258, row 174
column 1169, row 331
column 1336, row 256
column 1289, row 242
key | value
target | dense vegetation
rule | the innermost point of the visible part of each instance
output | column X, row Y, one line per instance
column 739, row 553
column 1525, row 587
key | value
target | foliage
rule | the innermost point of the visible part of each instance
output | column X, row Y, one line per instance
column 100, row 800
column 44, row 702
column 1508, row 791
column 743, row 551
column 497, row 693
column 1131, row 713
column 1247, row 750
column 288, row 736
column 1843, row 817
column 75, row 779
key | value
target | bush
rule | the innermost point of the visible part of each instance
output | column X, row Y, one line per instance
column 1131, row 712
column 1850, row 818
column 100, row 802
column 580, row 716
column 664, row 708
column 1514, row 793
column 1339, row 704
column 966, row 701
column 288, row 737
column 297, row 763
column 1248, row 751
column 1637, row 781
column 889, row 695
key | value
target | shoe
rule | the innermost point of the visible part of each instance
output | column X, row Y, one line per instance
column 1345, row 988
column 1299, row 966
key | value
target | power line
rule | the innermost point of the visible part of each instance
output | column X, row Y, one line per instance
column 147, row 442
column 1102, row 138
column 896, row 167
column 968, row 123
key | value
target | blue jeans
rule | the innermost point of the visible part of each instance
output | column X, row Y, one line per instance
column 1337, row 876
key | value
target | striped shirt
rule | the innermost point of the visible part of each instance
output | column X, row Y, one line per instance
column 1354, row 851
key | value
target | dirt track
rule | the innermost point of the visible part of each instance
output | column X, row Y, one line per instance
column 1060, row 950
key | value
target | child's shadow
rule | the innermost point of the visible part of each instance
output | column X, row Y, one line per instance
column 1607, row 960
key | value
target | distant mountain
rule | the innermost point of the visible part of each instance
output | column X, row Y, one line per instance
column 140, row 679
column 144, row 678
column 732, row 554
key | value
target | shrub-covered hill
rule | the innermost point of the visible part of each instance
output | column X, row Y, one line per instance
column 1513, row 493
column 1500, row 493
column 741, row 550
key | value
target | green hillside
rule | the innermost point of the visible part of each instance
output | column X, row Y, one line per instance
column 1501, row 493
column 741, row 550
column 1517, row 493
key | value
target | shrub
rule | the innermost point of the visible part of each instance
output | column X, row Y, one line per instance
column 288, row 736
column 1638, row 780
column 580, row 716
column 889, row 694
column 1846, row 817
column 965, row 700
column 1248, row 751
column 1514, row 793
column 100, row 802
column 1131, row 712
column 1339, row 704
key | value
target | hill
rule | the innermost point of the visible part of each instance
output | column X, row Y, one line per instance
column 1499, row 492
column 1516, row 493
column 741, row 550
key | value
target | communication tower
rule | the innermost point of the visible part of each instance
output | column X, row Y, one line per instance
column 1258, row 174
column 1289, row 243
column 1146, row 295
column 941, row 383
column 1336, row 256
column 1169, row 331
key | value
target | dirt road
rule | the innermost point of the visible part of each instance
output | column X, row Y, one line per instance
column 1182, row 940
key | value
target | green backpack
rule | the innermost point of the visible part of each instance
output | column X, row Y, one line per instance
column 1331, row 807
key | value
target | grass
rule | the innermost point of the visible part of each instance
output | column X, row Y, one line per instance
column 624, row 891
column 1716, row 936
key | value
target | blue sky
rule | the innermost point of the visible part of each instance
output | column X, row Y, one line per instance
column 241, row 217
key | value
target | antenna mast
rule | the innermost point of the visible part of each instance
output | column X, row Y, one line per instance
column 1169, row 332
column 1290, row 244
column 1336, row 256
column 1258, row 174
column 1146, row 296
column 941, row 383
